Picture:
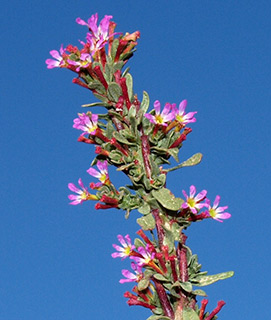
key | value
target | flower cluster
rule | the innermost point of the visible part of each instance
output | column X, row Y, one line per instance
column 194, row 203
column 138, row 143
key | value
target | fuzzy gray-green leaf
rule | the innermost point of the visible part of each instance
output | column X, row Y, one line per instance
column 206, row 280
column 167, row 199
column 146, row 222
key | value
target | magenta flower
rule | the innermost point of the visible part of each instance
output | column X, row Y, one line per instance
column 193, row 202
column 86, row 124
column 146, row 257
column 130, row 277
column 82, row 194
column 216, row 212
column 84, row 62
column 102, row 175
column 163, row 117
column 126, row 249
column 183, row 117
column 99, row 35
column 58, row 56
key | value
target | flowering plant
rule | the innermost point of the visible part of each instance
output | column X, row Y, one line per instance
column 140, row 143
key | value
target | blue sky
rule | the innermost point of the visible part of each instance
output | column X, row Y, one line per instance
column 56, row 259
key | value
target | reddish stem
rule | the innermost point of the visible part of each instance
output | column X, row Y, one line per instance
column 146, row 154
column 159, row 228
column 166, row 306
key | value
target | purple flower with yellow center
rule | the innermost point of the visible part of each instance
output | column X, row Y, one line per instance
column 102, row 175
column 82, row 194
column 58, row 60
column 87, row 124
column 131, row 277
column 127, row 247
column 180, row 115
column 216, row 212
column 193, row 202
column 161, row 118
column 99, row 35
column 146, row 257
column 84, row 62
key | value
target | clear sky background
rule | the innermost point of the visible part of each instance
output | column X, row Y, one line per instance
column 55, row 259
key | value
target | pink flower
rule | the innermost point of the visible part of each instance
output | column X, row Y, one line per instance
column 132, row 276
column 84, row 62
column 163, row 117
column 183, row 117
column 82, row 194
column 192, row 201
column 99, row 35
column 216, row 212
column 86, row 124
column 102, row 175
column 59, row 61
column 126, row 249
column 146, row 256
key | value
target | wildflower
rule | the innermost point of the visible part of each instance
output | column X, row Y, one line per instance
column 85, row 123
column 216, row 212
column 102, row 175
column 161, row 118
column 182, row 117
column 59, row 60
column 84, row 62
column 193, row 202
column 83, row 194
column 130, row 277
column 127, row 247
column 99, row 35
column 146, row 256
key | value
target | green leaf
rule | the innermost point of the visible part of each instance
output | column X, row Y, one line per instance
column 192, row 161
column 199, row 292
column 190, row 314
column 186, row 286
column 167, row 199
column 144, row 209
column 158, row 318
column 94, row 104
column 114, row 91
column 206, row 280
column 122, row 139
column 146, row 222
column 129, row 84
column 174, row 153
column 143, row 284
column 160, row 277
column 145, row 102
column 114, row 48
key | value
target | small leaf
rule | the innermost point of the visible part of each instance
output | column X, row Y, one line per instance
column 145, row 209
column 122, row 139
column 199, row 292
column 158, row 318
column 167, row 199
column 146, row 222
column 101, row 104
column 143, row 284
column 160, row 277
column 192, row 161
column 190, row 314
column 206, row 280
column 114, row 91
column 174, row 153
column 145, row 102
column 129, row 84
column 114, row 48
